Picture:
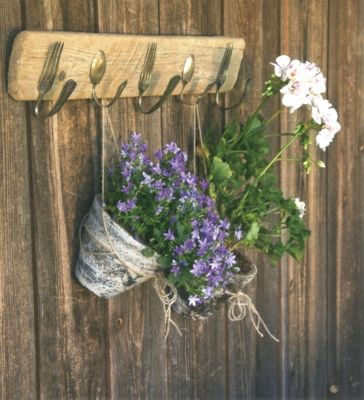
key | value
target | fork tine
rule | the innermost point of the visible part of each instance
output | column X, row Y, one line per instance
column 49, row 75
column 225, row 61
column 144, row 68
column 221, row 75
column 56, row 60
column 148, row 65
column 46, row 66
column 150, row 59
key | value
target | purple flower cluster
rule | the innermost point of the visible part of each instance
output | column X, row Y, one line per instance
column 169, row 209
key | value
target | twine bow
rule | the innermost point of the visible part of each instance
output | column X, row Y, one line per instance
column 240, row 304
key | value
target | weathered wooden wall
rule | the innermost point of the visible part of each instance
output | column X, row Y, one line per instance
column 58, row 341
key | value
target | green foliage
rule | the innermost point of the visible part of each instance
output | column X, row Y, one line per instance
column 247, row 192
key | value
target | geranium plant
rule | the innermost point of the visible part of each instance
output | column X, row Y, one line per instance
column 243, row 183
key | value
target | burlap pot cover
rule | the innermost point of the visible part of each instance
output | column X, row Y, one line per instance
column 110, row 259
column 248, row 271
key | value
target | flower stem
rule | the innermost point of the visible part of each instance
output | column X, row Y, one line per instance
column 283, row 149
column 274, row 116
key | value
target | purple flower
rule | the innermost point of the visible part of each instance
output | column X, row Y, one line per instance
column 199, row 268
column 189, row 244
column 194, row 301
column 159, row 155
column 136, row 138
column 169, row 235
column 127, row 188
column 176, row 269
column 208, row 292
column 189, row 178
column 225, row 224
column 203, row 246
column 177, row 165
column 204, row 184
column 147, row 179
column 230, row 259
column 157, row 169
column 165, row 194
column 172, row 147
column 125, row 206
column 158, row 185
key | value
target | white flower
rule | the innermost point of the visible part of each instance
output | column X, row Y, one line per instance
column 324, row 113
column 284, row 68
column 295, row 94
column 301, row 206
column 324, row 138
column 306, row 82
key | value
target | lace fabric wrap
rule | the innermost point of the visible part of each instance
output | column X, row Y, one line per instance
column 110, row 259
column 248, row 271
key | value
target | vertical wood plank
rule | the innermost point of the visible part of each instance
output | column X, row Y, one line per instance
column 137, row 346
column 250, row 375
column 345, row 240
column 196, row 361
column 304, row 334
column 17, row 326
column 72, row 341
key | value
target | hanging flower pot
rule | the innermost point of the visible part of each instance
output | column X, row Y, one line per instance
column 110, row 259
column 167, row 208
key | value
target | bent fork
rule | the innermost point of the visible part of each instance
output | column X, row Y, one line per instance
column 48, row 77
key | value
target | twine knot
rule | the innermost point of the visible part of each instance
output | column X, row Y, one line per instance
column 240, row 304
column 167, row 294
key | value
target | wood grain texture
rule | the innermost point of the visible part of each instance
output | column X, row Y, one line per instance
column 17, row 326
column 125, row 56
column 345, row 318
column 72, row 323
column 304, row 333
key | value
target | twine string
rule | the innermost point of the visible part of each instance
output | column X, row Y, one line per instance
column 240, row 304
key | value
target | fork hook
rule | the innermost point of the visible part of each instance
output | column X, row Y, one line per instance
column 145, row 79
column 66, row 92
column 221, row 78
column 97, row 72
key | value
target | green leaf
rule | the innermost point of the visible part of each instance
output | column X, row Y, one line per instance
column 148, row 252
column 253, row 232
column 165, row 263
column 220, row 171
column 320, row 164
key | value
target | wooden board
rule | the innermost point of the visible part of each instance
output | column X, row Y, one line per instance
column 125, row 56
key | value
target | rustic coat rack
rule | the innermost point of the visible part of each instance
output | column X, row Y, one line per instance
column 66, row 65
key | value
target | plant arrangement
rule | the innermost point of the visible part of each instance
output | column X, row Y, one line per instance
column 193, row 227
